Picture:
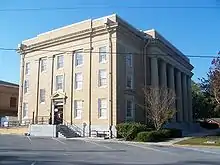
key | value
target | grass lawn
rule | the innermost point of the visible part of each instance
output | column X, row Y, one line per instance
column 202, row 141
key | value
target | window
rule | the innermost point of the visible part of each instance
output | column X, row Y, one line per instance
column 78, row 109
column 59, row 61
column 78, row 81
column 26, row 86
column 42, row 95
column 102, row 54
column 78, row 58
column 59, row 82
column 102, row 108
column 27, row 68
column 129, row 109
column 13, row 102
column 129, row 60
column 25, row 110
column 102, row 77
column 43, row 65
column 129, row 82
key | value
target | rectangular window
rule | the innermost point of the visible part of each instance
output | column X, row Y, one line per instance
column 59, row 82
column 78, row 81
column 129, row 81
column 43, row 64
column 78, row 58
column 78, row 109
column 42, row 95
column 26, row 86
column 27, row 68
column 13, row 102
column 25, row 110
column 129, row 109
column 129, row 60
column 60, row 61
column 102, row 108
column 102, row 55
column 102, row 77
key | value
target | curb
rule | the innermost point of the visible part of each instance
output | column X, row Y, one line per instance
column 202, row 146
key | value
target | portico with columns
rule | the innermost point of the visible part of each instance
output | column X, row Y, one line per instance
column 172, row 74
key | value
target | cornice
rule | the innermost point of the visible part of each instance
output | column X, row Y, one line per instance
column 173, row 54
column 69, row 38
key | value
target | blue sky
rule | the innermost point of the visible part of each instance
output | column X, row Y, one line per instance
column 193, row 31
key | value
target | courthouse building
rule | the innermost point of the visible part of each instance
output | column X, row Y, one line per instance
column 92, row 73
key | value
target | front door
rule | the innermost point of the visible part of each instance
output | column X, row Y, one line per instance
column 58, row 114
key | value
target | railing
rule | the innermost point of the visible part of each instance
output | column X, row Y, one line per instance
column 44, row 120
column 75, row 128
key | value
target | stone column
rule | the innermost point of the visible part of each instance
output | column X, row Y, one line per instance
column 171, row 83
column 179, row 96
column 163, row 74
column 190, row 114
column 185, row 98
column 154, row 72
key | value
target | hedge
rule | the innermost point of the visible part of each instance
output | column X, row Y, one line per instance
column 207, row 125
column 156, row 136
column 129, row 131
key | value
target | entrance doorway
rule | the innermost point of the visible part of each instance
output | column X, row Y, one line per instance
column 58, row 114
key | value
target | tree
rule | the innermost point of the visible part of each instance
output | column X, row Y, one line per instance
column 159, row 105
column 202, row 101
column 214, row 79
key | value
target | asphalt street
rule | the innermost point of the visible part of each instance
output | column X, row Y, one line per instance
column 20, row 150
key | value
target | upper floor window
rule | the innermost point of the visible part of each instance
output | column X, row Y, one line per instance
column 43, row 64
column 102, row 54
column 102, row 108
column 78, row 81
column 13, row 102
column 129, row 60
column 26, row 86
column 27, row 68
column 60, row 61
column 129, row 108
column 102, row 77
column 78, row 58
column 25, row 110
column 59, row 82
column 78, row 109
column 129, row 81
column 42, row 95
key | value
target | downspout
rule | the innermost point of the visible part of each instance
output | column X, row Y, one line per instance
column 110, row 80
column 21, row 88
column 90, row 76
column 145, row 71
column 51, row 92
column 71, row 98
column 37, row 98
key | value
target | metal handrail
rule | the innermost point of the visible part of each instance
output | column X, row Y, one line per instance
column 74, row 127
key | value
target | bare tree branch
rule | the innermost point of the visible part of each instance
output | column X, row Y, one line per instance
column 159, row 105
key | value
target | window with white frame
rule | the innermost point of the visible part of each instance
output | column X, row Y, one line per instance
column 78, row 106
column 78, row 81
column 129, row 108
column 25, row 110
column 43, row 64
column 42, row 95
column 59, row 82
column 26, row 86
column 78, row 58
column 102, row 108
column 102, row 77
column 129, row 60
column 27, row 68
column 129, row 81
column 60, row 61
column 102, row 54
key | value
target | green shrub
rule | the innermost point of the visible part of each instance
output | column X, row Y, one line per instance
column 156, row 136
column 130, row 130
